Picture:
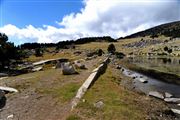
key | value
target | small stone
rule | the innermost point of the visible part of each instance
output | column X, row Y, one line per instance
column 99, row 104
column 118, row 67
column 83, row 100
column 178, row 104
column 143, row 79
column 10, row 116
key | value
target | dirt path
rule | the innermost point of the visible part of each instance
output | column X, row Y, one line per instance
column 42, row 95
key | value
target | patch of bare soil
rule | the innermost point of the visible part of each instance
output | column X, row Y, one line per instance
column 30, row 103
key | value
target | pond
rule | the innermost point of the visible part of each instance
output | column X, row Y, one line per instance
column 163, row 74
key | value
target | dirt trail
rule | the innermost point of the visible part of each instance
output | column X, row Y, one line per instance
column 33, row 104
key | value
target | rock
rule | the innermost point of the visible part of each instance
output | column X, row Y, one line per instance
column 134, row 77
column 118, row 67
column 176, row 111
column 68, row 69
column 10, row 116
column 168, row 95
column 83, row 100
column 77, row 52
column 91, row 54
column 99, row 104
column 143, row 79
column 2, row 93
column 58, row 65
column 37, row 69
column 90, row 58
column 53, row 67
column 8, row 89
column 178, row 104
column 156, row 94
column 79, row 65
column 1, row 78
column 3, row 75
column 172, row 100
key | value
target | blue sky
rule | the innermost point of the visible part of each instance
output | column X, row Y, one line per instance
column 36, row 12
column 46, row 21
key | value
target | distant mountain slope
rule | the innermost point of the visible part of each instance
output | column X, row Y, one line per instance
column 169, row 29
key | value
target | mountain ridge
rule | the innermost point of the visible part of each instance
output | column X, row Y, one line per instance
column 171, row 29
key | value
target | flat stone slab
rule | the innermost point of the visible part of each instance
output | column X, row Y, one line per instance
column 156, row 94
column 8, row 89
column 168, row 95
column 176, row 111
column 37, row 69
column 172, row 100
column 3, row 75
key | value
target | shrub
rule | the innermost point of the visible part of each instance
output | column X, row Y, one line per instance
column 38, row 52
column 111, row 48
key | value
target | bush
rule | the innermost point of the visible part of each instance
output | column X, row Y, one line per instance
column 38, row 52
column 111, row 48
column 7, row 51
column 100, row 52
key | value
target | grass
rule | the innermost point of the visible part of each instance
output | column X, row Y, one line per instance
column 63, row 93
column 68, row 53
column 73, row 117
column 119, row 103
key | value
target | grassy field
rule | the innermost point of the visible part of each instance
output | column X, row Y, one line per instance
column 119, row 102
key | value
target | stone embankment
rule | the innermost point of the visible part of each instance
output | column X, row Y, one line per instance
column 89, row 81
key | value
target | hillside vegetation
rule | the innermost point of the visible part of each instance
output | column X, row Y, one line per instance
column 169, row 30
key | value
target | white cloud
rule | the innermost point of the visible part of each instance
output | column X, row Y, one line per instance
column 115, row 18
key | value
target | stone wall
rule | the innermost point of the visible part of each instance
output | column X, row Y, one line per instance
column 89, row 81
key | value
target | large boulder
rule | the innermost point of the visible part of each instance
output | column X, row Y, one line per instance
column 68, row 69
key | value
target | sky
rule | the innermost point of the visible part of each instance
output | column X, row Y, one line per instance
column 46, row 21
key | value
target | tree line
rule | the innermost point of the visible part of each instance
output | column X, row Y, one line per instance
column 10, row 52
column 64, row 44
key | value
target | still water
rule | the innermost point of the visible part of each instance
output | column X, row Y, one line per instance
column 165, row 65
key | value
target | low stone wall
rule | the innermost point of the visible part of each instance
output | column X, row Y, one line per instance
column 89, row 81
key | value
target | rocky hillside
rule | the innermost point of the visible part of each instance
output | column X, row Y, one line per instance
column 169, row 30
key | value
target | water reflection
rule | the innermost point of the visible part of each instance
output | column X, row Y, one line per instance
column 166, row 64
column 167, row 79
